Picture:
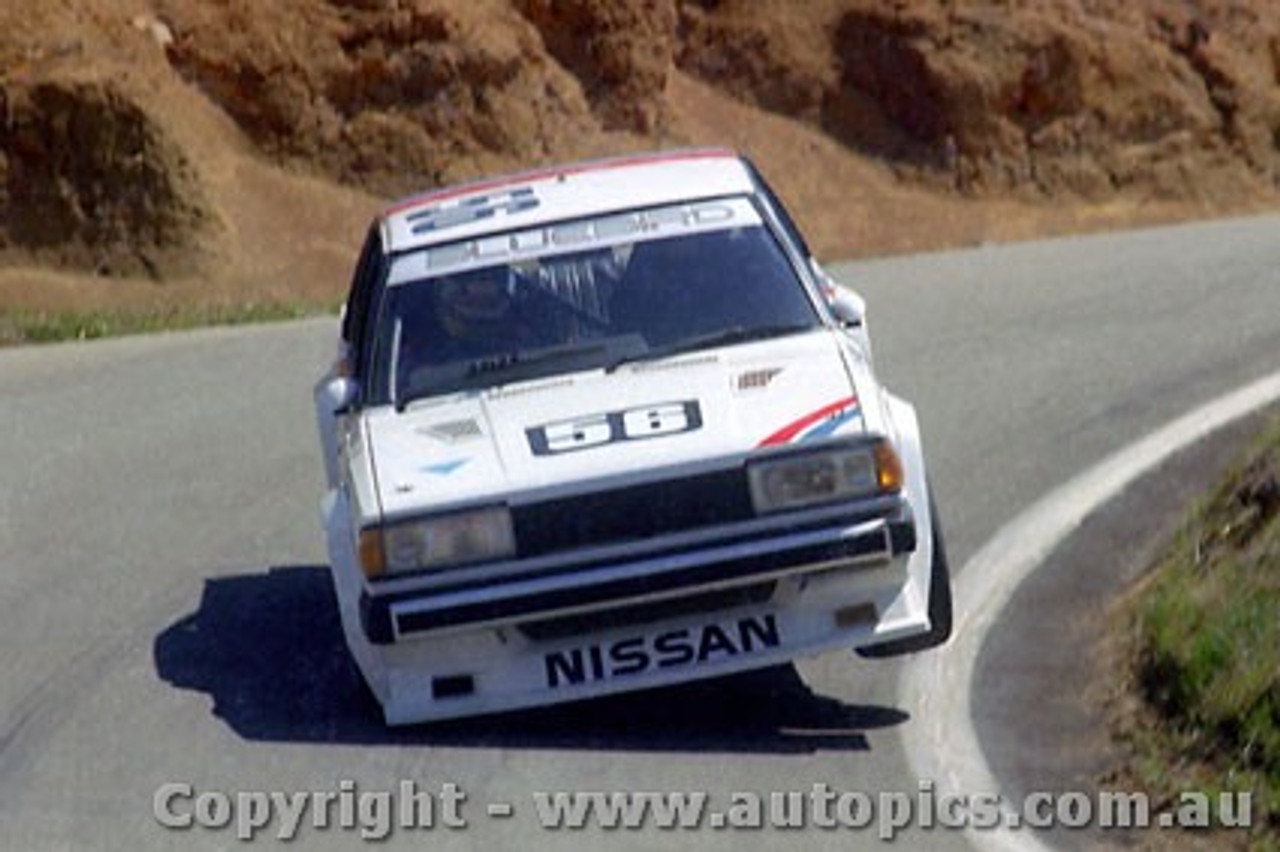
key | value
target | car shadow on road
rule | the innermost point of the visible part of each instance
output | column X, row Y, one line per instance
column 268, row 648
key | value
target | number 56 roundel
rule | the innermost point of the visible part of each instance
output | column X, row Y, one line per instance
column 597, row 430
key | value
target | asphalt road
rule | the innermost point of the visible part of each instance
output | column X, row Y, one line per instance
column 165, row 616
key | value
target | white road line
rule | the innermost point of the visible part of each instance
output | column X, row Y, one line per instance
column 936, row 687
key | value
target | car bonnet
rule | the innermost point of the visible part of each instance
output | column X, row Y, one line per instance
column 589, row 430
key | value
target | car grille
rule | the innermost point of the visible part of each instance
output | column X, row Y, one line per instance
column 631, row 513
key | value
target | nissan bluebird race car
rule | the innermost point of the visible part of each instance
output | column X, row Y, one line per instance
column 607, row 427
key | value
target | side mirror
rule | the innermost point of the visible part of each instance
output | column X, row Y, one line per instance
column 340, row 394
column 848, row 307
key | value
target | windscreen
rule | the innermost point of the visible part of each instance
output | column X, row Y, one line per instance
column 583, row 295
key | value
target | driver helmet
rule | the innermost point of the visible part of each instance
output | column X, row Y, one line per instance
column 476, row 305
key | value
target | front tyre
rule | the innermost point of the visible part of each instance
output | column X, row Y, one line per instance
column 940, row 615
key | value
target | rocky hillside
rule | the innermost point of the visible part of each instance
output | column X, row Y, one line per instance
column 242, row 144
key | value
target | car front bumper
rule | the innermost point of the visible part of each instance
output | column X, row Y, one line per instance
column 654, row 573
column 669, row 614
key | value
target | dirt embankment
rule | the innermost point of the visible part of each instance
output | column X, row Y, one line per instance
column 234, row 149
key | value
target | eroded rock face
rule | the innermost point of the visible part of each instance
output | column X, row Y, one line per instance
column 1053, row 99
column 1050, row 98
column 620, row 52
column 390, row 96
column 982, row 97
column 91, row 182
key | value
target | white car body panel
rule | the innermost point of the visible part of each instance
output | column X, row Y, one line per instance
column 603, row 616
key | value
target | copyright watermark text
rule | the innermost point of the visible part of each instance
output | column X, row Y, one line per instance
column 374, row 815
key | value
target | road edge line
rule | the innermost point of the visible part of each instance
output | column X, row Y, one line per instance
column 936, row 687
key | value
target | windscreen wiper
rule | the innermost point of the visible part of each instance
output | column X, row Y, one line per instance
column 723, row 337
column 463, row 376
column 513, row 360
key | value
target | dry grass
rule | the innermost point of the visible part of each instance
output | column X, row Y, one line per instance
column 1199, row 703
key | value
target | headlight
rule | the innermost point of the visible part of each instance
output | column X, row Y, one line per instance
column 478, row 535
column 824, row 476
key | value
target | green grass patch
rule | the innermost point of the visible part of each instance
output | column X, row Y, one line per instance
column 1208, row 645
column 46, row 327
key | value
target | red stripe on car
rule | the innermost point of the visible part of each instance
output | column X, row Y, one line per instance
column 788, row 432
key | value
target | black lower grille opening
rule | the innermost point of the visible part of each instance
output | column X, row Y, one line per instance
column 646, row 613
column 633, row 512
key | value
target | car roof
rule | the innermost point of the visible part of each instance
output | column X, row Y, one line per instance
column 564, row 192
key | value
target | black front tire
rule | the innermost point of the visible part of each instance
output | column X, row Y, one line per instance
column 940, row 615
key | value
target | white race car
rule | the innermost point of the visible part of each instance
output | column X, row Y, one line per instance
column 606, row 427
